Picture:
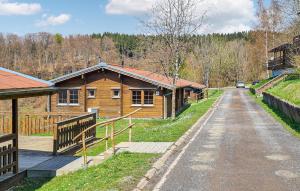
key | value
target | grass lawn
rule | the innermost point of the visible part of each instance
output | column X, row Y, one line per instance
column 288, row 90
column 290, row 125
column 261, row 83
column 159, row 130
column 121, row 172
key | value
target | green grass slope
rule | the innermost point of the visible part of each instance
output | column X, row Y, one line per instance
column 288, row 90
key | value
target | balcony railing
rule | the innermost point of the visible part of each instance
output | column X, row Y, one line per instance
column 276, row 62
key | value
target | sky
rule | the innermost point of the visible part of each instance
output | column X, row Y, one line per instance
column 98, row 16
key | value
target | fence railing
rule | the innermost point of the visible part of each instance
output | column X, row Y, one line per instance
column 8, row 155
column 109, row 135
column 29, row 124
column 65, row 131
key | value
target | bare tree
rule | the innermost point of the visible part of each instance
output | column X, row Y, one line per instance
column 264, row 24
column 174, row 22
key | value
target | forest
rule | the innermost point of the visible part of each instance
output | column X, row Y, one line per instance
column 48, row 56
column 217, row 60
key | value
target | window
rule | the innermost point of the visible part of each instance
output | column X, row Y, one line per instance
column 63, row 97
column 148, row 97
column 116, row 94
column 74, row 97
column 136, row 97
column 91, row 93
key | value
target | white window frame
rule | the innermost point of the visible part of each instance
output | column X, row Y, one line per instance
column 68, row 97
column 58, row 96
column 91, row 89
column 153, row 95
column 113, row 94
column 73, row 104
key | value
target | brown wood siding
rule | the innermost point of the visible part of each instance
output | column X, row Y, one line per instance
column 104, row 82
column 155, row 111
column 72, row 83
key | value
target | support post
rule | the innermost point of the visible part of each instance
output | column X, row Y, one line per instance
column 15, row 132
column 84, row 150
column 55, row 139
column 113, row 137
column 130, row 128
column 49, row 104
column 106, row 135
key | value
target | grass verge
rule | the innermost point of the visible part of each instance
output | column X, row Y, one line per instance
column 290, row 125
column 159, row 130
column 288, row 90
column 121, row 172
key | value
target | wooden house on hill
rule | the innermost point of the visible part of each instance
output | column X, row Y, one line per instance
column 282, row 59
column 114, row 91
column 285, row 57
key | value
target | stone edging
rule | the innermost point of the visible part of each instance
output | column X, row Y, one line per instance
column 289, row 109
column 183, row 139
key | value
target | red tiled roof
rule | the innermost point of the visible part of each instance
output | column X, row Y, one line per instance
column 10, row 80
column 161, row 78
column 150, row 77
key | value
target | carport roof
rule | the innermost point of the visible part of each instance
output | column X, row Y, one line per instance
column 14, row 84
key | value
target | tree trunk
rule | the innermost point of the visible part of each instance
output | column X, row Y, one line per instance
column 174, row 103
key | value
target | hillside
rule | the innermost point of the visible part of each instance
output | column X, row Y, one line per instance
column 288, row 90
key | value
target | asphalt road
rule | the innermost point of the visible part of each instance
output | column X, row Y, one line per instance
column 240, row 148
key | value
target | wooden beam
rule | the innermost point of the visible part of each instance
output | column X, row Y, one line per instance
column 84, row 93
column 15, row 132
column 122, row 95
column 49, row 103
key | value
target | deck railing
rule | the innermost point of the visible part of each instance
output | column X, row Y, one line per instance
column 65, row 131
column 81, row 137
column 31, row 123
column 8, row 154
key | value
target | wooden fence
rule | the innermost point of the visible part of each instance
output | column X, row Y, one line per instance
column 81, row 137
column 30, row 124
column 8, row 155
column 65, row 131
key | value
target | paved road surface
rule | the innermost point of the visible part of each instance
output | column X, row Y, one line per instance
column 240, row 148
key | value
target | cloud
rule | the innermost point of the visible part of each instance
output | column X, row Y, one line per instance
column 222, row 16
column 14, row 8
column 227, row 16
column 128, row 7
column 53, row 20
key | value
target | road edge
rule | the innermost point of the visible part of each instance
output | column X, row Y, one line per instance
column 172, row 149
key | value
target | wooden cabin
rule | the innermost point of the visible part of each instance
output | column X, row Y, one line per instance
column 114, row 91
column 282, row 59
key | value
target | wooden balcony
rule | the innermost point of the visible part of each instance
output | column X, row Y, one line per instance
column 276, row 63
column 280, row 63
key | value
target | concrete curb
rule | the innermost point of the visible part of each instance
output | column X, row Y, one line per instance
column 162, row 161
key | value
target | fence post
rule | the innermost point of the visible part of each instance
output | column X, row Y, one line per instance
column 113, row 137
column 27, row 125
column 84, row 150
column 106, row 135
column 55, row 139
column 94, row 122
column 130, row 128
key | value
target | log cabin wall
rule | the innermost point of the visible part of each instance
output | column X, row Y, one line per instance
column 77, row 83
column 154, row 111
column 104, row 83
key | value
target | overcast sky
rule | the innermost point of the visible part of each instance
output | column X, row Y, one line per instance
column 97, row 16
